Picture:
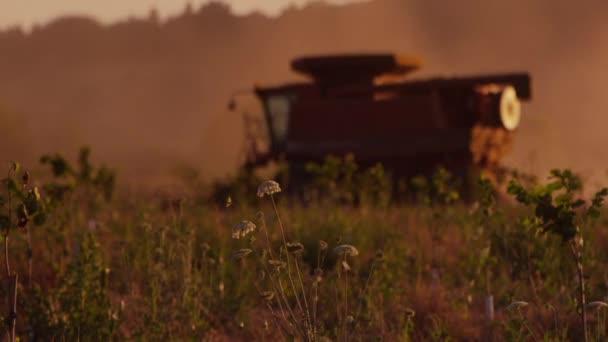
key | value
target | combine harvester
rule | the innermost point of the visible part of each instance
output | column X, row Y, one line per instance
column 361, row 104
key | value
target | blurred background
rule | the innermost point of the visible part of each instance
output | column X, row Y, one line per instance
column 145, row 84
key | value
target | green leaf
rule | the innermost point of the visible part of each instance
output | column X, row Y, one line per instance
column 598, row 198
column 578, row 203
column 593, row 212
column 13, row 187
column 553, row 186
column 563, row 199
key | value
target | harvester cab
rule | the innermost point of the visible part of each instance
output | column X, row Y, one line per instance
column 362, row 104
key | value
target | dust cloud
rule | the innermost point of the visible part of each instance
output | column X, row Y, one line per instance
column 148, row 96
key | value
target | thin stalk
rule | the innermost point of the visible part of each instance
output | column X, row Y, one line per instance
column 314, row 292
column 303, row 292
column 268, row 245
column 13, row 284
column 360, row 304
column 291, row 281
column 525, row 323
column 581, row 282
column 369, row 276
column 337, row 292
column 280, row 294
column 293, row 316
column 29, row 258
column 10, row 220
column 345, row 321
column 274, row 318
column 276, row 289
column 6, row 264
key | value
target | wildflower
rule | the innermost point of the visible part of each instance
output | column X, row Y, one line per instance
column 598, row 304
column 295, row 248
column 277, row 264
column 346, row 250
column 322, row 245
column 517, row 305
column 241, row 253
column 267, row 295
column 242, row 228
column 268, row 187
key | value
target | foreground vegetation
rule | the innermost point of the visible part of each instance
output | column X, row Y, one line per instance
column 347, row 263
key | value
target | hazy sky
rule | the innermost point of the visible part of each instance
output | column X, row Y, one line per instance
column 28, row 12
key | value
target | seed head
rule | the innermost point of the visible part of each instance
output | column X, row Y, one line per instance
column 295, row 248
column 517, row 305
column 598, row 304
column 241, row 253
column 268, row 188
column 242, row 228
column 277, row 264
column 346, row 250
column 267, row 295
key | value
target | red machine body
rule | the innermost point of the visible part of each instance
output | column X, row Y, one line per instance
column 361, row 104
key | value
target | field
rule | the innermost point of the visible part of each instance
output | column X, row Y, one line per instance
column 346, row 261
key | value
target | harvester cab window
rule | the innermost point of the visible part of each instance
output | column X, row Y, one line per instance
column 278, row 107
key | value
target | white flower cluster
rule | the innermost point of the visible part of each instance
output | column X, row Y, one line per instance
column 346, row 250
column 268, row 188
column 242, row 228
